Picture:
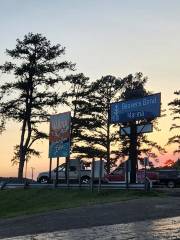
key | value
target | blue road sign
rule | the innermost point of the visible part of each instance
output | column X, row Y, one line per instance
column 136, row 109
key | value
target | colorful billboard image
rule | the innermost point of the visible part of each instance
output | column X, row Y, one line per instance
column 59, row 137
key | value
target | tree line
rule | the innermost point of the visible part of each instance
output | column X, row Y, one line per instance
column 41, row 81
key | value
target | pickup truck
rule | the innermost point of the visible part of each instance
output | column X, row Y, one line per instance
column 85, row 172
column 169, row 177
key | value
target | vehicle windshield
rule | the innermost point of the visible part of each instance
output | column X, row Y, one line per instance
column 118, row 171
column 60, row 168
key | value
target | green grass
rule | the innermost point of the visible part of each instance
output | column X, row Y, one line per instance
column 16, row 202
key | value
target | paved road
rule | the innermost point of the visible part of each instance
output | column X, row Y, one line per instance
column 161, row 229
column 127, row 212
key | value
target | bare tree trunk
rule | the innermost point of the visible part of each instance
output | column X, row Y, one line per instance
column 21, row 167
column 25, row 142
column 21, row 151
column 72, row 122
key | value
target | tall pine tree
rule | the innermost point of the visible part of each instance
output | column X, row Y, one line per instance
column 28, row 98
column 103, row 92
column 175, row 108
column 76, row 99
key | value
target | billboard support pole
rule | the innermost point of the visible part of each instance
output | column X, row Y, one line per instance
column 79, row 172
column 50, row 167
column 56, row 183
column 133, row 152
column 67, row 170
column 127, row 174
column 145, row 172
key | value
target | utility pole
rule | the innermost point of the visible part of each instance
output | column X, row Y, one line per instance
column 32, row 175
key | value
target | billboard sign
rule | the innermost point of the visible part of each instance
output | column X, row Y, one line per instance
column 143, row 128
column 146, row 128
column 136, row 109
column 59, row 137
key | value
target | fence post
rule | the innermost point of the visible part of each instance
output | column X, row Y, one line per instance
column 67, row 170
column 79, row 172
column 50, row 167
column 92, row 175
column 100, row 174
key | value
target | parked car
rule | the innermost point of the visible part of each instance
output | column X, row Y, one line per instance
column 116, row 175
column 153, row 176
column 119, row 175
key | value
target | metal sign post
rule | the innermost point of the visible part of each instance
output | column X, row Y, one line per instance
column 67, row 170
column 100, row 174
column 50, row 168
column 133, row 152
column 146, row 160
column 127, row 174
column 79, row 172
column 57, row 172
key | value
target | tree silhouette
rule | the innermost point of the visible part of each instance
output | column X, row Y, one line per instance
column 175, row 108
column 103, row 92
column 76, row 97
column 31, row 94
column 176, row 164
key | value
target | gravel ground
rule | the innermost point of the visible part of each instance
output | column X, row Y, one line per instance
column 130, row 211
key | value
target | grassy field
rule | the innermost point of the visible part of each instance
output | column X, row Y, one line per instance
column 17, row 202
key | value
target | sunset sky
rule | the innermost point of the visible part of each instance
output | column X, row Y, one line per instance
column 102, row 37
